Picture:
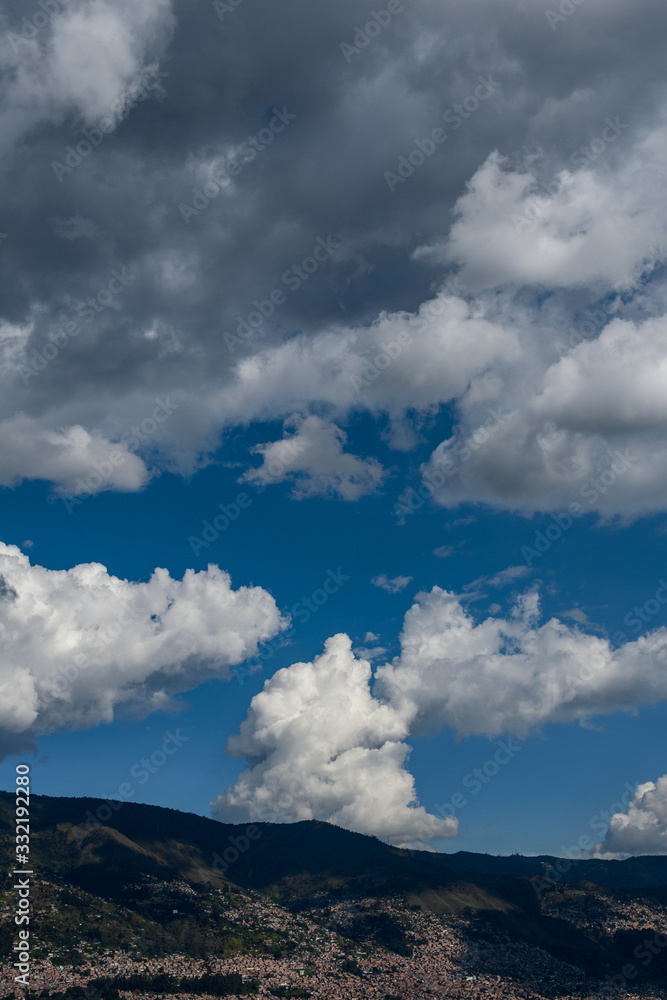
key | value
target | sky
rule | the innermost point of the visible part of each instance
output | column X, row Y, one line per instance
column 333, row 452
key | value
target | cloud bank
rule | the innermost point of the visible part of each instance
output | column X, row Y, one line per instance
column 303, row 289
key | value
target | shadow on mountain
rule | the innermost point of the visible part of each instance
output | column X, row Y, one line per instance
column 313, row 865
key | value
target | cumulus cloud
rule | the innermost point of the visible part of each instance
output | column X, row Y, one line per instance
column 512, row 228
column 515, row 674
column 322, row 747
column 314, row 455
column 589, row 429
column 642, row 828
column 321, row 744
column 79, row 644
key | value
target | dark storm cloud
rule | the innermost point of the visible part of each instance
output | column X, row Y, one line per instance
column 73, row 225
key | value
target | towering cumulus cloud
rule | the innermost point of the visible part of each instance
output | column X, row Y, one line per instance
column 323, row 747
column 321, row 744
column 642, row 828
column 78, row 644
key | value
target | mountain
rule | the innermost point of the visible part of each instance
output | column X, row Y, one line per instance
column 149, row 839
column 175, row 882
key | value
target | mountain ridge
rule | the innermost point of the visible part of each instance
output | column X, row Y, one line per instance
column 309, row 839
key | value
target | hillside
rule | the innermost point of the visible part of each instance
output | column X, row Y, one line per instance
column 159, row 882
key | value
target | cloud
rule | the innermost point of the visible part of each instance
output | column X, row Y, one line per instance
column 513, row 675
column 72, row 458
column 314, row 455
column 502, row 579
column 642, row 828
column 577, row 615
column 372, row 651
column 589, row 429
column 367, row 331
column 79, row 645
column 512, row 229
column 90, row 60
column 320, row 744
column 444, row 551
column 392, row 586
column 322, row 747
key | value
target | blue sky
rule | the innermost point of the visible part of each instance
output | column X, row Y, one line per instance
column 349, row 482
column 540, row 802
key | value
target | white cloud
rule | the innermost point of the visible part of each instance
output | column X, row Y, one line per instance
column 444, row 551
column 577, row 615
column 314, row 455
column 504, row 578
column 588, row 429
column 441, row 348
column 400, row 362
column 372, row 651
column 586, row 226
column 642, row 828
column 322, row 747
column 78, row 644
column 394, row 585
column 513, row 675
column 72, row 458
